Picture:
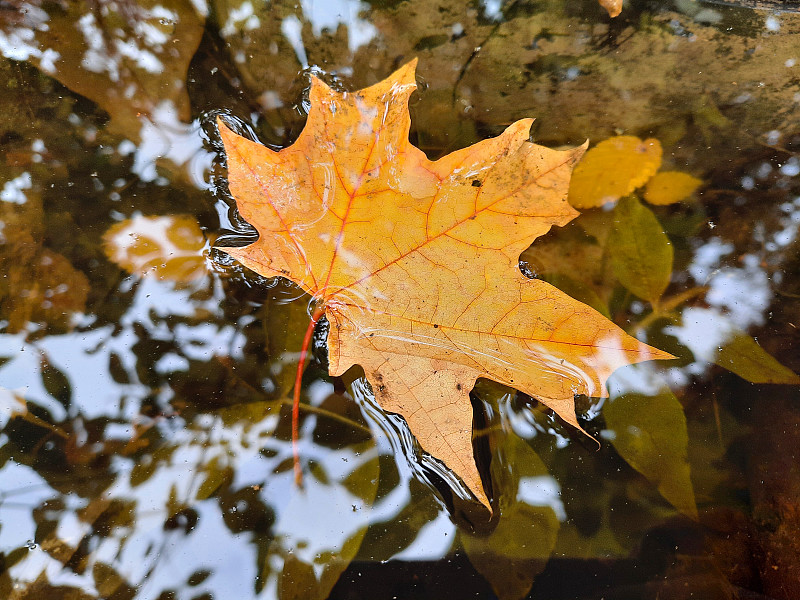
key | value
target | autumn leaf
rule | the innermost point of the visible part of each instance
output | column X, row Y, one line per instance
column 613, row 169
column 415, row 262
column 669, row 187
column 640, row 252
column 38, row 285
column 170, row 247
column 128, row 57
column 613, row 7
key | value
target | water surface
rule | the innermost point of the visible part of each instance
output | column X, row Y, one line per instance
column 145, row 379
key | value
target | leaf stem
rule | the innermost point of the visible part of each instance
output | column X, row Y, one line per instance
column 328, row 415
column 286, row 401
column 315, row 317
column 666, row 306
column 672, row 302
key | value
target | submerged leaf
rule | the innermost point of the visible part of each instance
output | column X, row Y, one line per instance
column 131, row 58
column 613, row 169
column 284, row 326
column 579, row 291
column 517, row 550
column 55, row 381
column 649, row 432
column 248, row 413
column 37, row 285
column 415, row 263
column 169, row 247
column 712, row 337
column 641, row 253
column 48, row 289
column 574, row 253
column 216, row 473
column 741, row 354
column 669, row 187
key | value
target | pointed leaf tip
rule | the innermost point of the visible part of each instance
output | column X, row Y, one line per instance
column 226, row 134
column 406, row 73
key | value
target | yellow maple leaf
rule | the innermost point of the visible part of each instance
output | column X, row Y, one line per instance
column 415, row 262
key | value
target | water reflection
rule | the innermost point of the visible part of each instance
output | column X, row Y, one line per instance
column 13, row 191
column 165, row 137
column 145, row 450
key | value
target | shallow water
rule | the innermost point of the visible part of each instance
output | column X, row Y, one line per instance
column 146, row 378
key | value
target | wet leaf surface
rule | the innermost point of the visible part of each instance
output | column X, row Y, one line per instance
column 445, row 302
column 145, row 446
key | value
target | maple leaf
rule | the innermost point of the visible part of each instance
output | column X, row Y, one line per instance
column 415, row 262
